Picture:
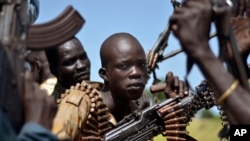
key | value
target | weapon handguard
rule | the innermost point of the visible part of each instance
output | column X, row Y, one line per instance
column 55, row 32
column 169, row 117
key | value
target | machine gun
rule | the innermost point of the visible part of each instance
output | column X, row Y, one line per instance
column 16, row 35
column 170, row 117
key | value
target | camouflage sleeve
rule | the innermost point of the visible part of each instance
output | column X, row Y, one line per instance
column 72, row 112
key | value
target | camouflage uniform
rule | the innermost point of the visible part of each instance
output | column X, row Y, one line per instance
column 82, row 113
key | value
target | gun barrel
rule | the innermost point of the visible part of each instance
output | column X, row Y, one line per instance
column 161, row 42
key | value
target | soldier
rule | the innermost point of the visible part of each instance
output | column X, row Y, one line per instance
column 124, row 72
column 69, row 62
column 39, row 112
column 86, row 113
column 195, row 17
column 40, row 70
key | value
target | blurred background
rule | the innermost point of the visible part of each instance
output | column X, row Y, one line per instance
column 145, row 19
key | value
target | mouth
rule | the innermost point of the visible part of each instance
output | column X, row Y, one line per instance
column 136, row 86
column 83, row 76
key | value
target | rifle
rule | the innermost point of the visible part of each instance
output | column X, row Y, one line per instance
column 169, row 117
column 155, row 55
column 14, row 30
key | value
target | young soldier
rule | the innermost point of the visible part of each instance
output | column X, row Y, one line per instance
column 86, row 113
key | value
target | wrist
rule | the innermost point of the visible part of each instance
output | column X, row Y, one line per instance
column 199, row 52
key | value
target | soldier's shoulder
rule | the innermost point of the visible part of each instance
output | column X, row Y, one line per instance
column 78, row 92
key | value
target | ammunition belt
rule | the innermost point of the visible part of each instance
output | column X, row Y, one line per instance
column 99, row 119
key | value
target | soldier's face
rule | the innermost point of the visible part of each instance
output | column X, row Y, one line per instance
column 74, row 64
column 126, row 70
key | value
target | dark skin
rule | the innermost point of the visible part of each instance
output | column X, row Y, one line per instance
column 188, row 19
column 124, row 73
column 38, row 106
column 39, row 66
column 175, row 87
column 242, row 34
column 73, row 63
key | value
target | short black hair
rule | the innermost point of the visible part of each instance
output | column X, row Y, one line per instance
column 52, row 55
column 107, row 44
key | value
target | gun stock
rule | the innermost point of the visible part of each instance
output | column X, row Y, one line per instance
column 170, row 117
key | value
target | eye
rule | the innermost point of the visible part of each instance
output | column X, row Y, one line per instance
column 123, row 66
column 143, row 65
column 69, row 62
column 83, row 57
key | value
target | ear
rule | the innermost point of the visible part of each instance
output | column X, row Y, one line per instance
column 103, row 74
column 37, row 66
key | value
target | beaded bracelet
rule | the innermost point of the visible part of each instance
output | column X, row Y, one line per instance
column 228, row 91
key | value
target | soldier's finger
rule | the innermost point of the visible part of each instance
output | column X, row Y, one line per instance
column 169, row 79
column 181, row 88
column 186, row 89
column 176, row 84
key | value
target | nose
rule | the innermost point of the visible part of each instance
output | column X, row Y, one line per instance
column 80, row 65
column 135, row 72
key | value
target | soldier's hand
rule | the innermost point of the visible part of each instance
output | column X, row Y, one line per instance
column 241, row 30
column 38, row 106
column 191, row 24
column 240, row 24
column 175, row 87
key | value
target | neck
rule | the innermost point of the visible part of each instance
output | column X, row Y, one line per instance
column 119, row 108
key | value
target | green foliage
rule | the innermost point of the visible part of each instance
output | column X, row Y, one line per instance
column 201, row 129
column 205, row 129
column 161, row 96
column 156, row 97
column 207, row 114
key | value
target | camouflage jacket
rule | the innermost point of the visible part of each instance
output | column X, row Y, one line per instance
column 82, row 113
